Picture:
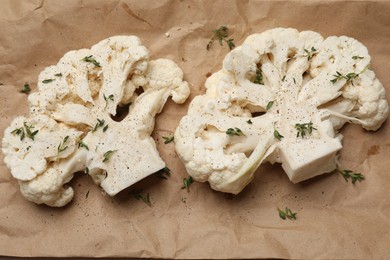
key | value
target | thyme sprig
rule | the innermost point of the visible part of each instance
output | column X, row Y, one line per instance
column 348, row 174
column 349, row 77
column 100, row 123
column 309, row 53
column 287, row 213
column 30, row 134
column 62, row 146
column 222, row 34
column 19, row 131
column 303, row 129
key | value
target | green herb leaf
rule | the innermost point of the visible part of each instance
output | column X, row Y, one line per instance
column 348, row 77
column 259, row 77
column 86, row 171
column 30, row 134
column 168, row 139
column 107, row 155
column 287, row 213
column 221, row 34
column 105, row 128
column 309, row 53
column 302, row 129
column 62, row 147
column 236, row 131
column 144, row 198
column 277, row 135
column 19, row 131
column 354, row 176
column 86, row 195
column 26, row 88
column 187, row 183
column 82, row 144
column 58, row 74
column 270, row 104
column 284, row 77
column 357, row 57
column 100, row 123
column 249, row 121
column 163, row 171
column 91, row 60
column 48, row 81
column 110, row 97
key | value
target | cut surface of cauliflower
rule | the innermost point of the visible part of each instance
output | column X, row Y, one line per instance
column 74, row 125
column 280, row 97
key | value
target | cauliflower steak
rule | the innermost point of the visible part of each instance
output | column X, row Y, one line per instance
column 73, row 124
column 280, row 97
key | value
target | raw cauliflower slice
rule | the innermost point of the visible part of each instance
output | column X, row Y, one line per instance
column 78, row 129
column 283, row 94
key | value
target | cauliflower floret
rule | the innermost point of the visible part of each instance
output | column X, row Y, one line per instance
column 283, row 94
column 74, row 114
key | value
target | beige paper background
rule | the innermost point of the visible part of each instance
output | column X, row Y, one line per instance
column 335, row 219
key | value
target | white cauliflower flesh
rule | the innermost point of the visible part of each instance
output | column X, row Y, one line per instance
column 74, row 125
column 280, row 97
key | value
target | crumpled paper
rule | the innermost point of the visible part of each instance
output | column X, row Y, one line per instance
column 335, row 219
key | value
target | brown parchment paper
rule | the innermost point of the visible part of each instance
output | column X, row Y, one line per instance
column 335, row 219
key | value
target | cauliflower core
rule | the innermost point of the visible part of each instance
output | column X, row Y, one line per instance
column 280, row 97
column 73, row 124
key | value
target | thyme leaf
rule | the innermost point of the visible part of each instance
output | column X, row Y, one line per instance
column 91, row 60
column 48, row 81
column 187, row 183
column 144, row 198
column 82, row 144
column 270, row 104
column 163, row 171
column 277, row 135
column 236, row 131
column 107, row 155
column 168, row 139
column 357, row 57
column 259, row 77
column 26, row 89
column 110, row 97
